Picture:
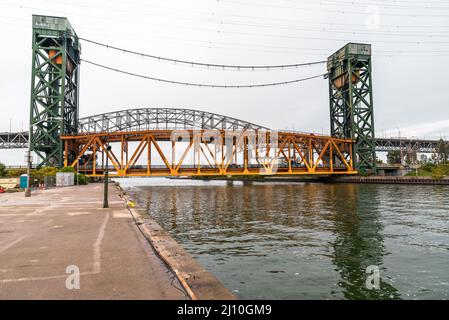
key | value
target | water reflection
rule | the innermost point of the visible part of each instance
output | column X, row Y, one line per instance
column 306, row 241
column 359, row 241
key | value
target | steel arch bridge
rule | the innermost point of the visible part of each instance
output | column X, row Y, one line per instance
column 161, row 118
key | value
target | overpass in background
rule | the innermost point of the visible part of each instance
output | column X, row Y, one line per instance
column 14, row 140
column 407, row 145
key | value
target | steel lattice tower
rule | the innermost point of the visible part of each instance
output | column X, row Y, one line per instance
column 54, row 87
column 351, row 101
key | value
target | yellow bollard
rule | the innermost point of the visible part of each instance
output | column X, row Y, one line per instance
column 131, row 204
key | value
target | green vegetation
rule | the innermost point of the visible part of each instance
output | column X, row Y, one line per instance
column 394, row 157
column 440, row 171
column 13, row 173
column 437, row 171
column 427, row 167
column 40, row 175
column 81, row 179
column 363, row 173
column 2, row 170
column 443, row 151
column 411, row 158
column 379, row 161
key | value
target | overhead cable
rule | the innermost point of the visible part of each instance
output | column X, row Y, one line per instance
column 208, row 65
column 204, row 85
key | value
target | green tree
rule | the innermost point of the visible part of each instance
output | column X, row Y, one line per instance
column 411, row 157
column 3, row 170
column 423, row 158
column 434, row 158
column 443, row 150
column 394, row 157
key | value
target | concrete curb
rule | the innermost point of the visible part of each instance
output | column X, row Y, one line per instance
column 199, row 283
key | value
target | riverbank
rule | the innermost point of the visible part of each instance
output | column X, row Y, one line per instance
column 199, row 283
column 423, row 180
column 46, row 240
column 392, row 180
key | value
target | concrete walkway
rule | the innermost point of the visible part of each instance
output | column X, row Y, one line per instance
column 41, row 236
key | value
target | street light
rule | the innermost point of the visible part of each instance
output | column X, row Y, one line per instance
column 106, row 179
column 28, row 157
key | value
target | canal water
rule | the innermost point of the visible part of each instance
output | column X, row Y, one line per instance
column 308, row 240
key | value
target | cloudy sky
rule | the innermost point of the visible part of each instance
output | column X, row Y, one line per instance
column 410, row 43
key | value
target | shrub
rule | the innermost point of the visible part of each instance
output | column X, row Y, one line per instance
column 440, row 171
column 14, row 173
column 38, row 175
column 3, row 170
column 427, row 167
column 82, row 179
column 363, row 173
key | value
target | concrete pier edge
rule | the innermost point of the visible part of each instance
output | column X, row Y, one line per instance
column 198, row 283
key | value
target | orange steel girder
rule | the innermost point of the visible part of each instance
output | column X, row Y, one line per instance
column 233, row 153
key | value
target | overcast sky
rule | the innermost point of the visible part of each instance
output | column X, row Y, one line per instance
column 410, row 43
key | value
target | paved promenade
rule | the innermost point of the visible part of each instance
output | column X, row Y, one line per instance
column 43, row 239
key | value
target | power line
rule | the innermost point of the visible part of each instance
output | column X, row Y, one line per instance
column 258, row 18
column 324, row 29
column 212, row 44
column 271, row 49
column 280, row 49
column 204, row 85
column 344, row 11
column 321, row 29
column 423, row 5
column 318, row 38
column 208, row 65
column 266, row 49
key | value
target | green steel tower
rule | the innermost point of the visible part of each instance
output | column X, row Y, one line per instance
column 351, row 101
column 54, row 87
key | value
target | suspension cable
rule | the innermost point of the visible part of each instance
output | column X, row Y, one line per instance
column 207, row 65
column 204, row 84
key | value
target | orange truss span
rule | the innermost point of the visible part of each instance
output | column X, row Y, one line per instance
column 208, row 153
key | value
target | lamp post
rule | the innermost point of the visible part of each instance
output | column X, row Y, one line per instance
column 28, row 160
column 106, row 179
